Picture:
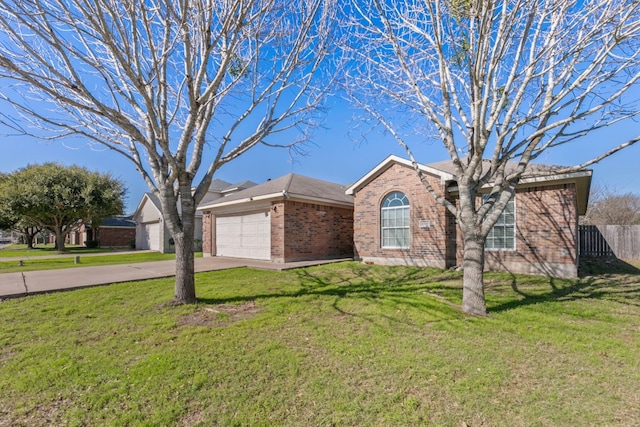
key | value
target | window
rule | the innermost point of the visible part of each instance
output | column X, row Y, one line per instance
column 395, row 221
column 503, row 234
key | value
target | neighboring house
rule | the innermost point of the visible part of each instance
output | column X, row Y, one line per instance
column 398, row 222
column 291, row 218
column 152, row 234
column 77, row 236
column 115, row 232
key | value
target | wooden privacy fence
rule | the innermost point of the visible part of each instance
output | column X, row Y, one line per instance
column 620, row 241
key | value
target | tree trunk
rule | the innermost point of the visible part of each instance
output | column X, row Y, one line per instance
column 473, row 283
column 185, row 287
column 60, row 236
column 28, row 237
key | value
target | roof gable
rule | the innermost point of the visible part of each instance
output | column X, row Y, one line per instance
column 390, row 161
column 147, row 198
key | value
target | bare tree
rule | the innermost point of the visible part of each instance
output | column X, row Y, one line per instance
column 180, row 88
column 608, row 206
column 503, row 80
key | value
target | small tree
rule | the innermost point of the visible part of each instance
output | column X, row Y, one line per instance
column 163, row 83
column 607, row 206
column 505, row 80
column 61, row 198
column 7, row 219
column 29, row 231
column 10, row 220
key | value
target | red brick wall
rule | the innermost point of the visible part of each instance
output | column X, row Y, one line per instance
column 300, row 231
column 304, row 231
column 546, row 233
column 428, row 246
column 546, row 227
column 207, row 235
column 113, row 237
column 277, row 231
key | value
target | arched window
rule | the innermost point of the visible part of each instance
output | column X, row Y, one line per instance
column 394, row 224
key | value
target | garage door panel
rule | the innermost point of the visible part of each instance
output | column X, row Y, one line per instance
column 244, row 236
column 150, row 238
column 153, row 236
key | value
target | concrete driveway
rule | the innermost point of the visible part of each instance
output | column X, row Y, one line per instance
column 34, row 282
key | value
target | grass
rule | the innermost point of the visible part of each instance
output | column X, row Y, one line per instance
column 29, row 263
column 21, row 251
column 343, row 344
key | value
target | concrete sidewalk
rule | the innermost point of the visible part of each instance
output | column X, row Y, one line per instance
column 14, row 285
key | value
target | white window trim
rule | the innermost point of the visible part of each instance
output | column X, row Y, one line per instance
column 407, row 227
column 515, row 220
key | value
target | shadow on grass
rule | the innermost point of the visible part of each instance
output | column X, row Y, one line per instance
column 439, row 292
column 415, row 288
column 609, row 279
column 590, row 266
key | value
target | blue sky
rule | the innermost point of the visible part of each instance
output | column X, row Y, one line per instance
column 338, row 154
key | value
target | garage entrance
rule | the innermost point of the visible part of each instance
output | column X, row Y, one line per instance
column 244, row 236
column 150, row 238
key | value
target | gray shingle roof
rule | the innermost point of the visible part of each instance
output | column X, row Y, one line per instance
column 218, row 185
column 532, row 169
column 239, row 186
column 292, row 185
column 155, row 200
column 118, row 221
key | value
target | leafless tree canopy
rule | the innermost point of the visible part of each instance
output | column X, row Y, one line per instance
column 500, row 80
column 178, row 87
column 159, row 80
column 504, row 80
column 610, row 207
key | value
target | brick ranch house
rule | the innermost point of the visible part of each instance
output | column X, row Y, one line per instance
column 115, row 232
column 291, row 218
column 151, row 231
column 396, row 221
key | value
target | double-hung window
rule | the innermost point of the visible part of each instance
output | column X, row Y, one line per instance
column 394, row 213
column 503, row 234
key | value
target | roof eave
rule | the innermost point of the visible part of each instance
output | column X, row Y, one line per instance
column 264, row 197
column 318, row 200
column 272, row 197
column 582, row 179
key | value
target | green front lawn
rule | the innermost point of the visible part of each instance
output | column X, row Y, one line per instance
column 342, row 344
column 56, row 263
column 21, row 251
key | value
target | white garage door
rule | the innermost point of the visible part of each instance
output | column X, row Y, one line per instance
column 150, row 238
column 244, row 236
